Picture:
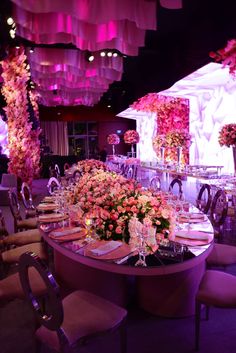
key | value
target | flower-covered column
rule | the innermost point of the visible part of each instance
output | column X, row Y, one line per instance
column 22, row 141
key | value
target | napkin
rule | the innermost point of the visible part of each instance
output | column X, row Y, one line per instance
column 67, row 231
column 191, row 217
column 106, row 248
column 68, row 236
column 46, row 205
column 47, row 217
column 192, row 234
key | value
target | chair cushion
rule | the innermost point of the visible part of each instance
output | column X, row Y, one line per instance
column 222, row 255
column 218, row 289
column 10, row 287
column 84, row 314
column 23, row 238
column 11, row 256
column 30, row 213
column 29, row 223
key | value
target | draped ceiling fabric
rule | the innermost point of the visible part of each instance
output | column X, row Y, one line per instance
column 90, row 26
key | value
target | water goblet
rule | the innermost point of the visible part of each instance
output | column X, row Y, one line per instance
column 141, row 250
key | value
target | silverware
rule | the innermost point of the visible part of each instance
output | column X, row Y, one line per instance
column 125, row 258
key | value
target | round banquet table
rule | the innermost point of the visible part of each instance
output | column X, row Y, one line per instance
column 167, row 291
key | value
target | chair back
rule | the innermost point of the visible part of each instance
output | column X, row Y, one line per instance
column 76, row 175
column 57, row 170
column 130, row 174
column 14, row 205
column 53, row 184
column 66, row 166
column 219, row 209
column 3, row 229
column 155, row 183
column 204, row 198
column 26, row 196
column 50, row 314
column 9, row 180
column 176, row 182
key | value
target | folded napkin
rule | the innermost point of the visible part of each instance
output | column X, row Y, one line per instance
column 192, row 217
column 60, row 237
column 67, row 231
column 47, row 217
column 106, row 248
column 192, row 234
column 48, row 199
column 46, row 205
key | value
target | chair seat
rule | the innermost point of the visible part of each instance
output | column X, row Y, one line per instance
column 81, row 307
column 217, row 289
column 23, row 238
column 12, row 256
column 222, row 255
column 29, row 223
column 10, row 287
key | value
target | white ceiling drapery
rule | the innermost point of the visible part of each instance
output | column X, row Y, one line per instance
column 90, row 26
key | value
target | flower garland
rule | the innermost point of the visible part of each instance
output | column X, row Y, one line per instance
column 131, row 137
column 21, row 143
column 171, row 113
column 112, row 200
column 227, row 56
column 113, row 139
column 227, row 135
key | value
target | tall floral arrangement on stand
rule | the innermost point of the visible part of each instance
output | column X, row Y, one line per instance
column 20, row 142
column 227, row 137
column 176, row 139
column 113, row 139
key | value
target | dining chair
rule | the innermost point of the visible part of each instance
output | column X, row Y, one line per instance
column 216, row 289
column 176, row 182
column 76, row 176
column 130, row 172
column 19, row 222
column 72, row 321
column 218, row 213
column 155, row 183
column 222, row 255
column 53, row 184
column 26, row 195
column 10, row 286
column 204, row 198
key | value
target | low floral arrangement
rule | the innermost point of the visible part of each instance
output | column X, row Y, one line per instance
column 112, row 200
column 176, row 138
column 113, row 139
column 227, row 56
column 131, row 137
column 90, row 166
column 227, row 135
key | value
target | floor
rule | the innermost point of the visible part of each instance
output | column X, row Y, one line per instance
column 146, row 333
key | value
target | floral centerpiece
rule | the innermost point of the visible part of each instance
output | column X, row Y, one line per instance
column 227, row 56
column 113, row 139
column 227, row 135
column 131, row 137
column 90, row 166
column 112, row 201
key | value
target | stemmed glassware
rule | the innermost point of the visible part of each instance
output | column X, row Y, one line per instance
column 141, row 248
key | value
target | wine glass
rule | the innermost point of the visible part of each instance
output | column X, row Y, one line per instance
column 141, row 249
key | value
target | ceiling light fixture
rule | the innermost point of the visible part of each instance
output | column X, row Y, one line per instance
column 115, row 54
column 102, row 54
column 109, row 53
column 90, row 58
column 10, row 21
column 12, row 33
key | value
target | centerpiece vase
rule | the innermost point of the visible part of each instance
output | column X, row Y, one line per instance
column 234, row 157
column 113, row 150
column 162, row 150
column 179, row 155
column 132, row 151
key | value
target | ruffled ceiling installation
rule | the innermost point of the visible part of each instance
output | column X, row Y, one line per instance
column 65, row 76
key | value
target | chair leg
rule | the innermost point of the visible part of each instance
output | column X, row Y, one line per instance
column 197, row 324
column 123, row 337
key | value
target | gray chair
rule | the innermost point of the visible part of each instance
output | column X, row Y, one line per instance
column 68, row 323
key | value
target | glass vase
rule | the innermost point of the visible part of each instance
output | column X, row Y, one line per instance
column 234, row 158
column 179, row 155
column 162, row 150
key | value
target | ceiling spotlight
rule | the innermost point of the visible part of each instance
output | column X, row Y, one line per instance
column 12, row 33
column 17, row 47
column 102, row 53
column 31, row 50
column 109, row 54
column 90, row 58
column 115, row 54
column 108, row 106
column 10, row 21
